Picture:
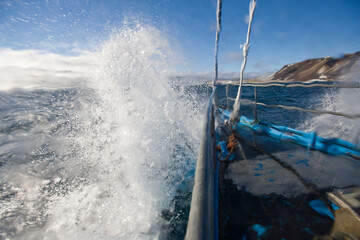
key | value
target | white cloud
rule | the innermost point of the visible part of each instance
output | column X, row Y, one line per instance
column 247, row 18
column 233, row 56
column 30, row 69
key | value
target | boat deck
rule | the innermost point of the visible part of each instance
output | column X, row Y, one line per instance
column 268, row 191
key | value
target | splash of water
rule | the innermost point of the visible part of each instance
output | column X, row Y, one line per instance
column 121, row 150
column 341, row 100
column 332, row 126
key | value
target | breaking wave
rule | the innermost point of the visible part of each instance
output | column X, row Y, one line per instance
column 105, row 155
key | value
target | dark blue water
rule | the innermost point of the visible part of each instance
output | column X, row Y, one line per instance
column 307, row 98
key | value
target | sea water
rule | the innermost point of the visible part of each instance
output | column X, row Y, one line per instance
column 104, row 149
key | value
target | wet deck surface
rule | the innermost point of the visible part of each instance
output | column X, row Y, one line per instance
column 268, row 217
column 260, row 199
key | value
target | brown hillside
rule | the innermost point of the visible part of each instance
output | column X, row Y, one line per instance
column 326, row 68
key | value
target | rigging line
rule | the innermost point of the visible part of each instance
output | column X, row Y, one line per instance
column 305, row 85
column 245, row 48
column 311, row 187
column 255, row 111
column 255, row 107
column 249, row 102
column 227, row 96
column 217, row 38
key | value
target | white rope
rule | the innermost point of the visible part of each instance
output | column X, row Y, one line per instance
column 245, row 48
column 218, row 30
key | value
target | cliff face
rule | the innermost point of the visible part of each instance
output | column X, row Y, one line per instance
column 326, row 68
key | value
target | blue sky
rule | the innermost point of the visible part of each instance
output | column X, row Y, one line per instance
column 284, row 31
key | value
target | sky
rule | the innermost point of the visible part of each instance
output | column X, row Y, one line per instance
column 284, row 31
